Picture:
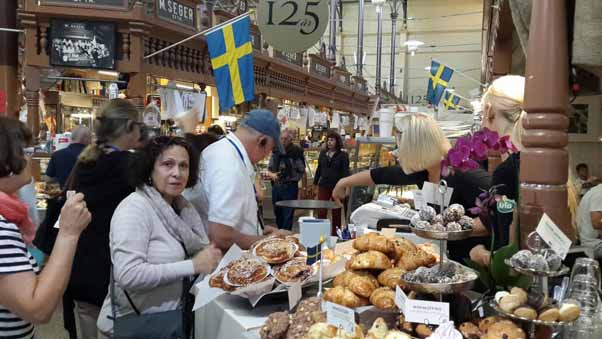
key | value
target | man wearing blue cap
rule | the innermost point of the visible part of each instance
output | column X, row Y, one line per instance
column 225, row 196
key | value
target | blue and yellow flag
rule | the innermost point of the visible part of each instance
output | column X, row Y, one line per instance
column 451, row 101
column 314, row 254
column 231, row 54
column 439, row 78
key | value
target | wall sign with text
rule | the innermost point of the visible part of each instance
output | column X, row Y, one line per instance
column 319, row 66
column 292, row 26
column 293, row 58
column 176, row 12
column 83, row 44
column 105, row 4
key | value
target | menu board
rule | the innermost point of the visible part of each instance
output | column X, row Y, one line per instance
column 85, row 44
column 107, row 4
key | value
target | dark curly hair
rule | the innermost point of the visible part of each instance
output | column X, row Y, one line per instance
column 336, row 136
column 14, row 136
column 143, row 161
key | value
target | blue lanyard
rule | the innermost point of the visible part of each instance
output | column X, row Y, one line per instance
column 238, row 151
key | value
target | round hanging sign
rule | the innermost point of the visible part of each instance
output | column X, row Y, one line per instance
column 292, row 26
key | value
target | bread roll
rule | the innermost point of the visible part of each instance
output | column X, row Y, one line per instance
column 371, row 260
column 383, row 298
column 504, row 329
column 469, row 330
column 525, row 312
column 391, row 277
column 423, row 331
column 487, row 322
column 374, row 242
column 344, row 296
column 520, row 293
column 569, row 312
column 550, row 314
column 510, row 303
column 362, row 283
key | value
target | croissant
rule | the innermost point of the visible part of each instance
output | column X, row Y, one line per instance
column 321, row 331
column 391, row 277
column 374, row 242
column 341, row 279
column 362, row 283
column 383, row 298
column 414, row 259
column 344, row 296
column 402, row 245
column 378, row 330
column 371, row 260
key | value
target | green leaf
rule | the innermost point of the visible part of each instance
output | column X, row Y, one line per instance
column 484, row 275
column 500, row 272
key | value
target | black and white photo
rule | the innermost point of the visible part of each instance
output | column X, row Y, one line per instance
column 82, row 44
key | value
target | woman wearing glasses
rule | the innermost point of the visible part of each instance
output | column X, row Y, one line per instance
column 101, row 173
column 421, row 146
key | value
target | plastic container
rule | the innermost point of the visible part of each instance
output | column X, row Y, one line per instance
column 386, row 119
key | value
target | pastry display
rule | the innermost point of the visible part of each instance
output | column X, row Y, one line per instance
column 411, row 260
column 372, row 260
column 282, row 325
column 344, row 296
column 427, row 213
column 451, row 220
column 362, row 283
column 380, row 330
column 383, row 298
column 294, row 271
column 326, row 331
column 391, row 277
column 374, row 242
column 246, row 271
column 469, row 330
column 453, row 213
column 547, row 261
column 401, row 246
column 503, row 329
column 275, row 250
column 451, row 273
column 276, row 326
column 535, row 306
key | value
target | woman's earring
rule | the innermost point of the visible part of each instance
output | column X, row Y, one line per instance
column 150, row 181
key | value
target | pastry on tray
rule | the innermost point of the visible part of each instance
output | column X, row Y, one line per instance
column 246, row 271
column 275, row 250
column 276, row 326
column 371, row 260
column 383, row 298
column 411, row 260
column 217, row 279
column 374, row 242
column 402, row 245
column 344, row 296
column 391, row 277
column 362, row 283
column 294, row 271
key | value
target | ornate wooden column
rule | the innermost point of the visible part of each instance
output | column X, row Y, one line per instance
column 544, row 162
column 32, row 95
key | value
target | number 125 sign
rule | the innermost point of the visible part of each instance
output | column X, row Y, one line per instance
column 292, row 25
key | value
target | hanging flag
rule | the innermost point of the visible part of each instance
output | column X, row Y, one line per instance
column 231, row 54
column 451, row 101
column 314, row 254
column 438, row 82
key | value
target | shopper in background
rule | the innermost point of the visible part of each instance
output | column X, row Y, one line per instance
column 421, row 146
column 216, row 130
column 584, row 181
column 284, row 171
column 157, row 237
column 201, row 141
column 333, row 165
column 62, row 161
column 101, row 174
column 589, row 220
column 26, row 295
column 225, row 196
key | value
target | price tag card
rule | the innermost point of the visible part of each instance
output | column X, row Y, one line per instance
column 553, row 236
column 400, row 299
column 294, row 295
column 431, row 194
column 340, row 316
column 426, row 312
column 388, row 232
column 419, row 202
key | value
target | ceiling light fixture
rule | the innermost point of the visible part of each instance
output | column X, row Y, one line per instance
column 109, row 73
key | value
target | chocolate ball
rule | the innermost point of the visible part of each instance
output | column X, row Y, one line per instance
column 453, row 227
column 427, row 213
column 538, row 263
column 453, row 213
column 415, row 219
column 423, row 225
column 553, row 259
column 438, row 219
column 466, row 222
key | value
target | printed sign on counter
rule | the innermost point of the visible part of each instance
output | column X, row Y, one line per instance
column 431, row 193
column 340, row 316
column 294, row 295
column 419, row 201
column 421, row 311
column 553, row 236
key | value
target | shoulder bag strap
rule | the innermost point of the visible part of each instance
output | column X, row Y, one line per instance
column 114, row 299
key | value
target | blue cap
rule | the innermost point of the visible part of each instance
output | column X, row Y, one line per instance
column 264, row 122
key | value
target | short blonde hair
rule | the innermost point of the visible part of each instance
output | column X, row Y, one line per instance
column 506, row 96
column 420, row 141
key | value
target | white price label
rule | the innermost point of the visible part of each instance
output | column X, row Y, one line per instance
column 341, row 317
column 294, row 295
column 420, row 311
column 431, row 193
column 553, row 236
column 419, row 202
column 400, row 299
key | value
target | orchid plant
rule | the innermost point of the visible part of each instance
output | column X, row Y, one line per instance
column 464, row 156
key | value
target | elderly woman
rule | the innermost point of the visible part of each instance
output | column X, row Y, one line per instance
column 27, row 296
column 157, row 238
column 421, row 146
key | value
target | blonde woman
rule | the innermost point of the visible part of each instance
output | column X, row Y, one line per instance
column 101, row 174
column 421, row 146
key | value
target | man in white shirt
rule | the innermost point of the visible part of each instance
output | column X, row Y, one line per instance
column 584, row 181
column 589, row 220
column 225, row 196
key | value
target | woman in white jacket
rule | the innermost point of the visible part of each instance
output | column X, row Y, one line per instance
column 154, row 231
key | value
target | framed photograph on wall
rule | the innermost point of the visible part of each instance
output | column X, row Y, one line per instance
column 584, row 118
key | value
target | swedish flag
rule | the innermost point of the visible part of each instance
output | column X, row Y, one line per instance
column 314, row 253
column 439, row 78
column 231, row 54
column 451, row 101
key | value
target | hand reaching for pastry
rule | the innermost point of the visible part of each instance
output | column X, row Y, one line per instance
column 271, row 230
column 206, row 260
column 340, row 192
column 480, row 255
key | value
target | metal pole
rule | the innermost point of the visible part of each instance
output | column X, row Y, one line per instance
column 394, row 16
column 360, row 39
column 332, row 56
column 379, row 46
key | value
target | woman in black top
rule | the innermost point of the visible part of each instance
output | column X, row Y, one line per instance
column 333, row 164
column 101, row 173
column 422, row 145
